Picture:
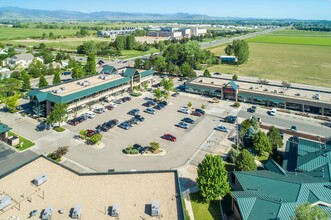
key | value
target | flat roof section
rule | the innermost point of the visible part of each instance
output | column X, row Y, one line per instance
column 95, row 193
column 81, row 84
column 258, row 88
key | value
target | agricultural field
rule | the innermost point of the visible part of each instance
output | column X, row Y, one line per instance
column 8, row 33
column 278, row 56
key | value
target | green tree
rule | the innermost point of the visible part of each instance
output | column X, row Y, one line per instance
column 245, row 126
column 138, row 63
column 255, row 123
column 89, row 47
column 229, row 50
column 241, row 50
column 51, row 34
column 185, row 69
column 25, row 80
column 203, row 106
column 120, row 42
column 206, row 73
column 166, row 95
column 11, row 102
column 212, row 178
column 96, row 138
column 57, row 78
column 59, row 114
column 130, row 42
column 274, row 138
column 154, row 146
column 160, row 63
column 234, row 77
column 42, row 81
column 261, row 143
column 9, row 86
column 71, row 63
column 307, row 212
column 189, row 104
column 158, row 94
column 168, row 84
column 42, row 46
column 245, row 161
column 233, row 154
column 147, row 65
column 90, row 66
column 78, row 72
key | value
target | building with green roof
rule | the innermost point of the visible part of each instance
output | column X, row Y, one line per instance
column 4, row 132
column 83, row 92
column 267, row 194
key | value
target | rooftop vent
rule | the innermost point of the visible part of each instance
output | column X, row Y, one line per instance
column 155, row 208
column 115, row 210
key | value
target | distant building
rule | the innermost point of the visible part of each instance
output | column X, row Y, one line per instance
column 177, row 32
column 114, row 33
column 23, row 60
column 229, row 59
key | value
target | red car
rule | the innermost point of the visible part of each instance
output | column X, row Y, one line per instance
column 109, row 107
column 196, row 113
column 169, row 137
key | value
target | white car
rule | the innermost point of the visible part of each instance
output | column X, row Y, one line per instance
column 184, row 110
column 89, row 114
column 222, row 128
column 273, row 112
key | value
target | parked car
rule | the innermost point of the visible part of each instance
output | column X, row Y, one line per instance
column 90, row 132
column 159, row 107
column 125, row 125
column 188, row 120
column 150, row 111
column 182, row 125
column 134, row 112
column 73, row 122
column 169, row 137
column 42, row 126
column 109, row 107
column 293, row 128
column 140, row 148
column 222, row 128
column 88, row 115
column 125, row 99
column 149, row 103
column 164, row 103
column 252, row 109
column 230, row 119
column 99, row 110
column 175, row 94
column 130, row 123
column 200, row 111
column 184, row 110
column 195, row 113
column 118, row 101
column 134, row 121
column 272, row 112
column 139, row 117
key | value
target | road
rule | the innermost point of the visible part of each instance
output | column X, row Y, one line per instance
column 284, row 120
column 229, row 40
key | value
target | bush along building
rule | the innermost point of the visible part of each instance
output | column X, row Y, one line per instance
column 83, row 92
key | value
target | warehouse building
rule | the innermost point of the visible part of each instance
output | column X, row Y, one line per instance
column 84, row 92
column 310, row 99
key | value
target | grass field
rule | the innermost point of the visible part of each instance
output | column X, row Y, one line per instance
column 204, row 211
column 8, row 33
column 278, row 39
column 307, row 64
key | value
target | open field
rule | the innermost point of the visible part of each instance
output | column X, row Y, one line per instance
column 281, row 58
column 8, row 33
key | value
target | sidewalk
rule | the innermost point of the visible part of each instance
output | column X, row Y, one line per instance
column 188, row 205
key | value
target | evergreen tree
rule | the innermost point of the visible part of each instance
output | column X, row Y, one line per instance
column 147, row 65
column 274, row 138
column 261, row 143
column 42, row 81
column 57, row 78
column 26, row 80
column 78, row 72
column 206, row 73
column 90, row 66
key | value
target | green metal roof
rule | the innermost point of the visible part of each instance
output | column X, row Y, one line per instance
column 147, row 73
column 4, row 128
column 108, row 70
column 130, row 72
column 234, row 85
column 270, row 195
column 275, row 167
column 42, row 96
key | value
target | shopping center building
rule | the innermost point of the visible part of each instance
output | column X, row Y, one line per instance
column 310, row 99
column 83, row 92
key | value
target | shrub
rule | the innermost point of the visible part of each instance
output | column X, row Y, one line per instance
column 59, row 129
column 203, row 106
column 83, row 133
column 154, row 146
column 236, row 104
column 127, row 150
column 189, row 104
column 135, row 94
column 134, row 151
column 96, row 138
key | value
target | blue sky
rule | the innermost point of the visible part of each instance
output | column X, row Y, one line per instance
column 300, row 9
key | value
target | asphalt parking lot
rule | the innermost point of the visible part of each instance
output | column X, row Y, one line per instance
column 153, row 127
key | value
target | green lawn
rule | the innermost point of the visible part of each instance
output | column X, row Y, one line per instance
column 26, row 143
column 287, row 39
column 305, row 64
column 204, row 211
column 133, row 53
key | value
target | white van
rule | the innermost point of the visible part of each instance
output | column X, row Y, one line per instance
column 89, row 114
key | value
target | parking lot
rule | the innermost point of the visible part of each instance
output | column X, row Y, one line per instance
column 151, row 129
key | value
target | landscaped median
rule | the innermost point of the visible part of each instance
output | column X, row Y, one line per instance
column 23, row 142
column 137, row 150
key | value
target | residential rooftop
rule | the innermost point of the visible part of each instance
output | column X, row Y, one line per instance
column 274, row 88
column 95, row 193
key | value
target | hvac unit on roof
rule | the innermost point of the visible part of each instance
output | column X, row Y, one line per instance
column 40, row 179
column 115, row 210
column 4, row 202
column 155, row 208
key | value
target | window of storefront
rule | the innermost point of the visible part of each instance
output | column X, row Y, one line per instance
column 294, row 106
column 327, row 111
column 312, row 109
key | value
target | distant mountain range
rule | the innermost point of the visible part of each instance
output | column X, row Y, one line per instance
column 15, row 13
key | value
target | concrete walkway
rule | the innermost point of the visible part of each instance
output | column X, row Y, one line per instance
column 188, row 205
